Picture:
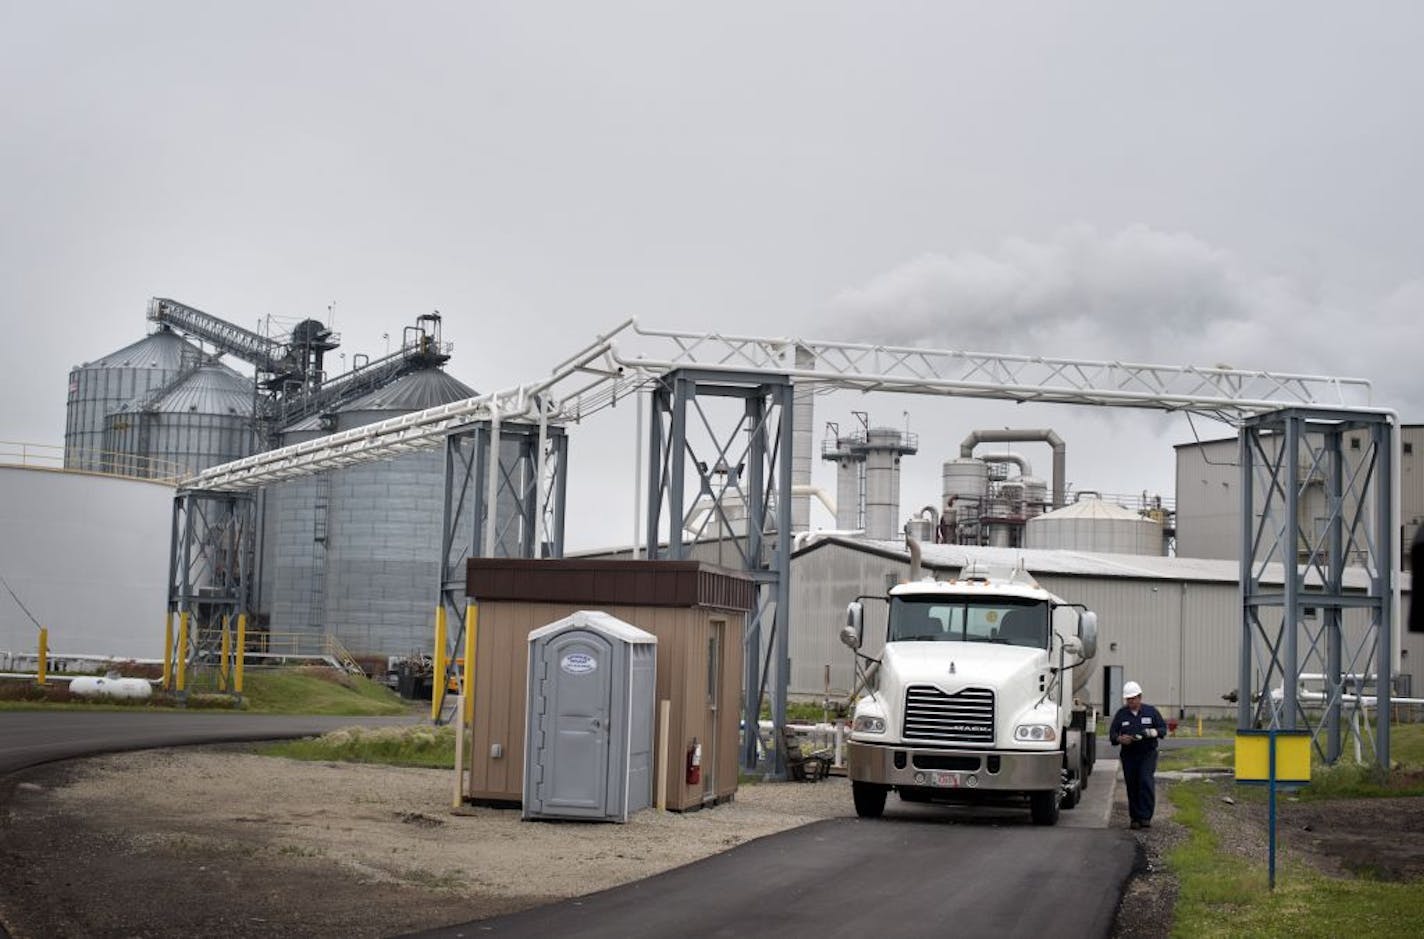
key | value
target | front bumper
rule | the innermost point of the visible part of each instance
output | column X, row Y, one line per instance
column 1002, row 770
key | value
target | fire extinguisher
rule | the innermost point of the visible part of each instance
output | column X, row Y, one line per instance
column 694, row 763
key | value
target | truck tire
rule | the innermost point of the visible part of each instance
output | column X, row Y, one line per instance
column 1043, row 806
column 869, row 799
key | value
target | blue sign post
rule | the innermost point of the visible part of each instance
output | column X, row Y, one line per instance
column 1275, row 759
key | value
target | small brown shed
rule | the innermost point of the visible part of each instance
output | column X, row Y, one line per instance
column 697, row 612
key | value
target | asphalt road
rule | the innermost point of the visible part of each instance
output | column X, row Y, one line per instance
column 900, row 875
column 922, row 870
column 28, row 738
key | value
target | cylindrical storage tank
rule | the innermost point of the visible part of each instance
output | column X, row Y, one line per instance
column 100, row 387
column 204, row 419
column 93, row 686
column 965, row 478
column 1096, row 526
column 1000, row 535
column 848, row 493
column 1035, row 495
column 920, row 529
column 882, row 482
column 803, row 413
column 355, row 551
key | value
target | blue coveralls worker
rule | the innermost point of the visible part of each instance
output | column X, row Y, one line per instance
column 1136, row 728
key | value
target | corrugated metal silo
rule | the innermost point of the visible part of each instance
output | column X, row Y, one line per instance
column 356, row 551
column 202, row 419
column 100, row 387
column 1096, row 526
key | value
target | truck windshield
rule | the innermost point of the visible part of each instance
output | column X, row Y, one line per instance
column 949, row 619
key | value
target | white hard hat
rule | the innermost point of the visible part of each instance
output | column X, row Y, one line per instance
column 1131, row 690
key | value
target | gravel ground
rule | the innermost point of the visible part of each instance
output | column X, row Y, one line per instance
column 168, row 843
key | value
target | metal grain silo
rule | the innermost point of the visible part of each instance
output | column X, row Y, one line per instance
column 356, row 551
column 100, row 387
column 1094, row 525
column 200, row 419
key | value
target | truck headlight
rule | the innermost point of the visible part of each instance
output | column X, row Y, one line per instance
column 1038, row 733
column 868, row 724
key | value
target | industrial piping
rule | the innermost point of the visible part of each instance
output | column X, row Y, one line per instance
column 966, row 449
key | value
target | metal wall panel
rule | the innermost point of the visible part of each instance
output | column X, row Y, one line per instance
column 88, row 555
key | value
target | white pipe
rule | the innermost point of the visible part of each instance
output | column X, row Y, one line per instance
column 821, row 495
column 492, row 467
column 638, row 480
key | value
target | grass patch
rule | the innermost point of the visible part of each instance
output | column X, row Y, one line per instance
column 318, row 691
column 395, row 746
column 1226, row 896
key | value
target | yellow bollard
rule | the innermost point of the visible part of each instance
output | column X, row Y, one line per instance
column 1199, row 725
column 43, row 668
column 181, row 653
column 467, row 688
column 168, row 651
column 224, row 668
column 241, row 653
column 437, row 690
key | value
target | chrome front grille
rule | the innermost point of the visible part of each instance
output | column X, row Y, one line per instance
column 936, row 717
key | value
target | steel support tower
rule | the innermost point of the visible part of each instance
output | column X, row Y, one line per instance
column 210, row 575
column 1316, row 519
column 505, row 485
column 744, row 475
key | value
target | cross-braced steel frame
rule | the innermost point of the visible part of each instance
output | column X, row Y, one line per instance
column 747, row 464
column 505, row 487
column 1316, row 512
column 210, row 576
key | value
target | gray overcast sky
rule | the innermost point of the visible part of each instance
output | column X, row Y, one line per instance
column 1187, row 183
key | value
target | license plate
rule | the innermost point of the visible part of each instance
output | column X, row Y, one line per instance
column 946, row 780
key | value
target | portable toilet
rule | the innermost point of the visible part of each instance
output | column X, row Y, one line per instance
column 588, row 748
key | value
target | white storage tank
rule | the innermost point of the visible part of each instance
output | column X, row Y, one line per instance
column 1090, row 524
column 965, row 478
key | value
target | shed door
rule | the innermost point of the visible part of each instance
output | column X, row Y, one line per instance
column 577, row 694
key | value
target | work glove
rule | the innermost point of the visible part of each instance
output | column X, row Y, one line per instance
column 1152, row 731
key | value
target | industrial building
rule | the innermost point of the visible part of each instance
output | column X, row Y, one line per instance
column 1209, row 493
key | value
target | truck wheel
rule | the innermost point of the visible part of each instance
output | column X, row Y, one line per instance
column 1043, row 806
column 869, row 799
column 1072, row 796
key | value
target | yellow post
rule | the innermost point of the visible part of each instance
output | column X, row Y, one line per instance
column 168, row 651
column 225, row 664
column 241, row 653
column 437, row 690
column 467, row 687
column 181, row 653
column 1199, row 725
column 43, row 668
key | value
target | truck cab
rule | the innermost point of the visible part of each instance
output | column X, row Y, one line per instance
column 972, row 698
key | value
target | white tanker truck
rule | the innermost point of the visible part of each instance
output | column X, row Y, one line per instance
column 974, row 698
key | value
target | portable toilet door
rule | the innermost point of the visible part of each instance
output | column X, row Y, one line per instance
column 589, row 719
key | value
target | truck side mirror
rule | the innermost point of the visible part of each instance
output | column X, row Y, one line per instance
column 1088, row 632
column 854, row 625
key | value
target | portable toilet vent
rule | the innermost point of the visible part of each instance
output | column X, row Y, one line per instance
column 588, row 748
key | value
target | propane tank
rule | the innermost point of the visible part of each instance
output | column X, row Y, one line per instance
column 694, row 763
column 112, row 686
